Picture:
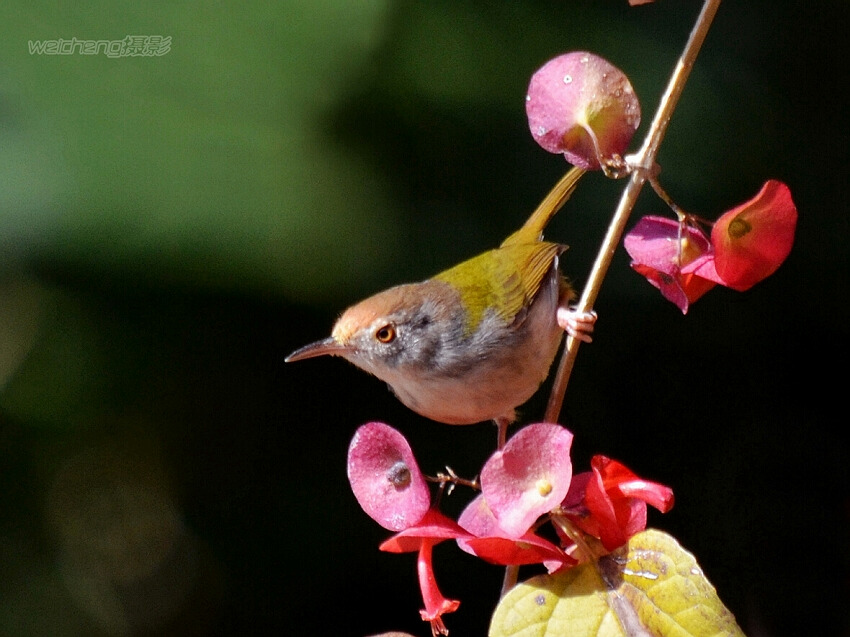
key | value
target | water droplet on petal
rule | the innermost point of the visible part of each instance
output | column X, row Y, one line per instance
column 568, row 79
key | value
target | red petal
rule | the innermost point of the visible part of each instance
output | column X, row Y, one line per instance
column 434, row 526
column 752, row 240
column 436, row 605
column 529, row 549
column 617, row 500
column 603, row 512
column 658, row 495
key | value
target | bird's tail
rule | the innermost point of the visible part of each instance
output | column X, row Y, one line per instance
column 532, row 230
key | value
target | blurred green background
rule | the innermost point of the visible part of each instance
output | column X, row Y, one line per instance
column 172, row 226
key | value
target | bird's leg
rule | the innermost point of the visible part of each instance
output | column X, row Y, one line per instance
column 502, row 424
column 577, row 324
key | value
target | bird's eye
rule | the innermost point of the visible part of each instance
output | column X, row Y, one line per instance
column 385, row 334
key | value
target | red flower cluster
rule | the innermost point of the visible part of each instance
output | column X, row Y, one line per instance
column 521, row 484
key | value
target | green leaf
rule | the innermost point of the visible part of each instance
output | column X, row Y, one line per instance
column 650, row 587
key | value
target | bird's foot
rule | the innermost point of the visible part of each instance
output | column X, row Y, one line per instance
column 577, row 324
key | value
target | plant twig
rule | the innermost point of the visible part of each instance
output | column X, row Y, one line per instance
column 643, row 164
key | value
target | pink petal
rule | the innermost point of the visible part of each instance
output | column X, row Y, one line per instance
column 578, row 96
column 655, row 242
column 385, row 477
column 654, row 245
column 478, row 519
column 528, row 477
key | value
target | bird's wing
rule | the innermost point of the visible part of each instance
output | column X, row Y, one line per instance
column 531, row 264
column 505, row 280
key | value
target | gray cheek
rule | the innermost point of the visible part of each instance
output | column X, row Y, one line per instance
column 454, row 353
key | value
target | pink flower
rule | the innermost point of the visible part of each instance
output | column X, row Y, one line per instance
column 528, row 477
column 660, row 248
column 581, row 105
column 752, row 240
column 609, row 502
column 432, row 529
column 385, row 477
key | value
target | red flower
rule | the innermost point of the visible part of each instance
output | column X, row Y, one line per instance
column 609, row 502
column 659, row 248
column 431, row 529
column 752, row 240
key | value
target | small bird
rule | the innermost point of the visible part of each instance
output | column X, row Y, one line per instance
column 476, row 341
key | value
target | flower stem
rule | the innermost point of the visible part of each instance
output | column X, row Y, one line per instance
column 643, row 163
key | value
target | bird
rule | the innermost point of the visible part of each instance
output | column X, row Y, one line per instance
column 476, row 341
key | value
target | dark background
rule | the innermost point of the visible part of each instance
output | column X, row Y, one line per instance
column 171, row 227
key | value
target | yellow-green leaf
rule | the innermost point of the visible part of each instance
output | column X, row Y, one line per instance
column 650, row 587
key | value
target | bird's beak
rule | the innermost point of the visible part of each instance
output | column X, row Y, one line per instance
column 326, row 347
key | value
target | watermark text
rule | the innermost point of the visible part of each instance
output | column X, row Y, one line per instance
column 130, row 46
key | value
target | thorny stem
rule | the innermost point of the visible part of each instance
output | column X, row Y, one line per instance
column 644, row 164
column 452, row 479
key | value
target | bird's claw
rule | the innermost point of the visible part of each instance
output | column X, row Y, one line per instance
column 577, row 324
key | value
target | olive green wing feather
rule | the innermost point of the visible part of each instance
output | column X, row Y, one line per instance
column 505, row 279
